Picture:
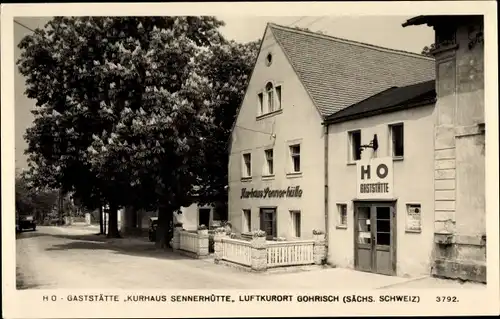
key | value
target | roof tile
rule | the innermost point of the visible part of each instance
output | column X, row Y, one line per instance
column 338, row 73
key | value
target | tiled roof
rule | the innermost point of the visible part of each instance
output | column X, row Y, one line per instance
column 338, row 72
column 395, row 98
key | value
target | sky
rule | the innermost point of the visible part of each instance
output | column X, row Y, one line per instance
column 385, row 31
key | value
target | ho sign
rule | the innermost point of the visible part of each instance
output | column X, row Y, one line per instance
column 374, row 178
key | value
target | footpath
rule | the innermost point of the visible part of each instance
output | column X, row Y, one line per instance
column 304, row 278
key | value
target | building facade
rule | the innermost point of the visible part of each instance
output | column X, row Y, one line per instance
column 459, row 146
column 381, row 172
column 138, row 222
column 277, row 173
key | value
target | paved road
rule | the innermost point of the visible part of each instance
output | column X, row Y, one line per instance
column 59, row 257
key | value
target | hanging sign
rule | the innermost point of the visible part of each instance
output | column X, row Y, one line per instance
column 374, row 178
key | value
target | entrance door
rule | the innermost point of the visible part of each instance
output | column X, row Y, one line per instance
column 375, row 248
column 268, row 222
column 204, row 216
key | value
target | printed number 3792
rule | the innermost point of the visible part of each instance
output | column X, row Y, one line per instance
column 446, row 299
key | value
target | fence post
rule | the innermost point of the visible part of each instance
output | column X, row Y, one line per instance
column 259, row 253
column 219, row 235
column 176, row 240
column 202, row 243
column 319, row 246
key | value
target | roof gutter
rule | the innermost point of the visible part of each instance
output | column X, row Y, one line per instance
column 351, row 117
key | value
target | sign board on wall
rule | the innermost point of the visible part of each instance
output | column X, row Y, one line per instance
column 413, row 218
column 291, row 191
column 374, row 178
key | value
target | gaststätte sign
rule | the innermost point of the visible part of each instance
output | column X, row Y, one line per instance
column 374, row 178
column 291, row 191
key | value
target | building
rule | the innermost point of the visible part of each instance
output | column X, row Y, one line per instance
column 277, row 175
column 459, row 146
column 381, row 172
column 138, row 221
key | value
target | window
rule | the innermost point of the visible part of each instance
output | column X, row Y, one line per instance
column 397, row 140
column 342, row 215
column 295, row 156
column 269, row 162
column 278, row 97
column 247, row 165
column 295, row 215
column 270, row 97
column 355, row 146
column 261, row 103
column 269, row 59
column 247, row 220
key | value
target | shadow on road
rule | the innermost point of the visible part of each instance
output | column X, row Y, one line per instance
column 29, row 234
column 138, row 247
column 21, row 283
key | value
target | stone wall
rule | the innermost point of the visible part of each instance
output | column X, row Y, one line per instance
column 460, row 226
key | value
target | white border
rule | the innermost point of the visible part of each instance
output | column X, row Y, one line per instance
column 28, row 304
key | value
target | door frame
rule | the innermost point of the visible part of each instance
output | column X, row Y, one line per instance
column 275, row 222
column 393, row 248
column 199, row 215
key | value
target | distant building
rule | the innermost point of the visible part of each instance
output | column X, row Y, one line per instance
column 459, row 146
column 277, row 176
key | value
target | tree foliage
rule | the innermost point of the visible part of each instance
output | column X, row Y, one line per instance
column 130, row 108
column 31, row 200
column 427, row 50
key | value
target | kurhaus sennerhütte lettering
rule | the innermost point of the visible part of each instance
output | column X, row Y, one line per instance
column 293, row 191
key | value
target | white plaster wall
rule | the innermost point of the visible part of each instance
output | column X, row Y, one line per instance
column 299, row 121
column 413, row 183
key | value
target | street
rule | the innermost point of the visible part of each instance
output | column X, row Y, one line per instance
column 75, row 257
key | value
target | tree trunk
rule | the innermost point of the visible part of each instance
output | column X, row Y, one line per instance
column 163, row 231
column 113, row 222
column 101, row 220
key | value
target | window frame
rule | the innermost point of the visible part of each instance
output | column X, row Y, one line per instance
column 341, row 225
column 245, row 168
column 247, row 220
column 296, row 228
column 351, row 158
column 293, row 156
column 392, row 141
column 269, row 172
column 270, row 96
column 279, row 96
column 260, row 103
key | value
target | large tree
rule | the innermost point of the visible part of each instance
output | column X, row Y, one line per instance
column 126, row 107
column 228, row 68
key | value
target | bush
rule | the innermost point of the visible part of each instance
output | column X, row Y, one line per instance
column 258, row 233
column 202, row 227
column 318, row 232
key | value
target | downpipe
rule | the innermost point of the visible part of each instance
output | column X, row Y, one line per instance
column 326, row 193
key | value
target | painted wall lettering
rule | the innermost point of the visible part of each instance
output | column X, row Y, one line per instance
column 291, row 191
